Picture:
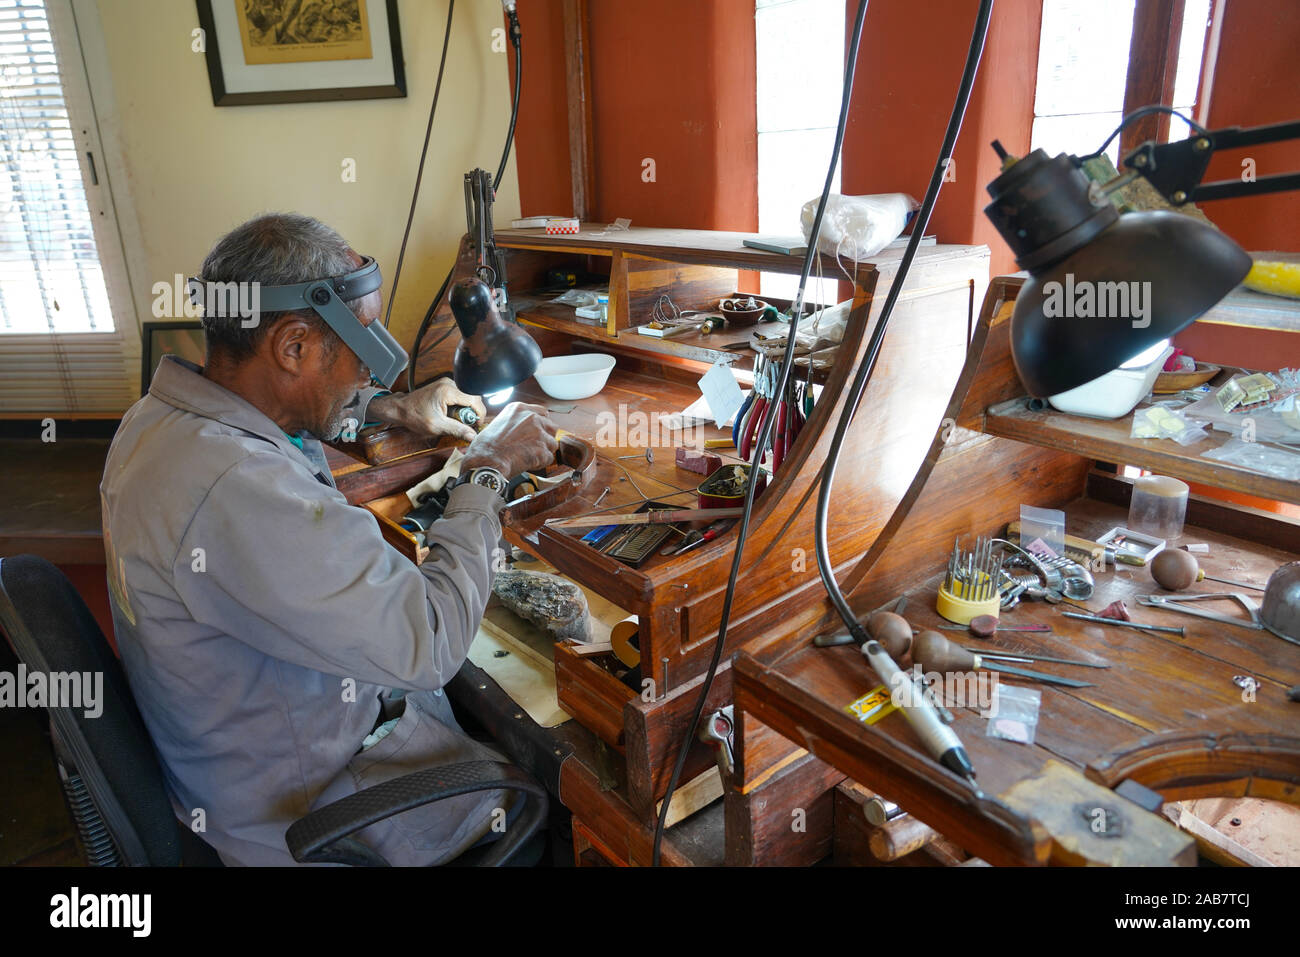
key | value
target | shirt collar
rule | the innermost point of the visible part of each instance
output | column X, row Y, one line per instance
column 182, row 384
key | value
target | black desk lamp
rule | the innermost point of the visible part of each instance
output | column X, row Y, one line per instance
column 1066, row 233
column 493, row 354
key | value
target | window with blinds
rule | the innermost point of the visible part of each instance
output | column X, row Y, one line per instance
column 61, row 350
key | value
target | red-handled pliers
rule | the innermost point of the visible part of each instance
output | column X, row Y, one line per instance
column 781, row 442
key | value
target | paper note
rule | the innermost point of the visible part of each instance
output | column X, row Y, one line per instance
column 697, row 411
column 722, row 393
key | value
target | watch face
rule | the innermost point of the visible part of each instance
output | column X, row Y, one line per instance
column 489, row 479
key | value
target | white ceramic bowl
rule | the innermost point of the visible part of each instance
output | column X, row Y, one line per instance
column 1114, row 394
column 574, row 377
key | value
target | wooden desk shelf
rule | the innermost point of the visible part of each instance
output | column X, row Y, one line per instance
column 1108, row 440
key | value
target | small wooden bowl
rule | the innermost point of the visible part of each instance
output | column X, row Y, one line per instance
column 1170, row 382
column 740, row 318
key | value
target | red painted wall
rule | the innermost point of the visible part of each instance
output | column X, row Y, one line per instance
column 542, row 130
column 906, row 82
column 671, row 81
column 1257, row 81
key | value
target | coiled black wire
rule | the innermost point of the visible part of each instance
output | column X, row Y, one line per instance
column 765, row 431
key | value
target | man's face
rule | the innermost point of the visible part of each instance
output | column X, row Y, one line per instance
column 340, row 375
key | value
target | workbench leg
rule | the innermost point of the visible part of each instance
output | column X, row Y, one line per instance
column 780, row 804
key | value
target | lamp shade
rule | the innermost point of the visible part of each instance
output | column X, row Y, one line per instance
column 493, row 354
column 1103, row 287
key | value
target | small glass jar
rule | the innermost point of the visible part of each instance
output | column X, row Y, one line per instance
column 1158, row 506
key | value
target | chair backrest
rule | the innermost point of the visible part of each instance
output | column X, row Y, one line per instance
column 115, row 784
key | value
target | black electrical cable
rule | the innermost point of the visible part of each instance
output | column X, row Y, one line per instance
column 419, row 169
column 411, row 384
column 1146, row 111
column 865, row 370
column 765, row 431
column 516, row 36
column 424, row 328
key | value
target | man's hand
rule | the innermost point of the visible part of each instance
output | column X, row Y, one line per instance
column 424, row 411
column 520, row 438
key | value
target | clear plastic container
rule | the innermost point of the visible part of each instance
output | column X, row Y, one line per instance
column 1158, row 506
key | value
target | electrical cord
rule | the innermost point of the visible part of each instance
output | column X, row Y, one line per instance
column 1139, row 114
column 516, row 36
column 765, row 431
column 865, row 370
column 419, row 169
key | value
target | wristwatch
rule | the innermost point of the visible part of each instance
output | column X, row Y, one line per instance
column 486, row 477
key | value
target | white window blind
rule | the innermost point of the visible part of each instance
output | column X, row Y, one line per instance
column 61, row 350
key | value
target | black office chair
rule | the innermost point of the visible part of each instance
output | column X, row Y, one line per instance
column 114, row 783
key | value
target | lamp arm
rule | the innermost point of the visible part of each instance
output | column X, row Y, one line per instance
column 490, row 261
column 1176, row 169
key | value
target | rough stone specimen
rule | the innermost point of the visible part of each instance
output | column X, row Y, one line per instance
column 548, row 601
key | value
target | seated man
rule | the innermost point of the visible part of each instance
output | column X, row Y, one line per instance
column 263, row 622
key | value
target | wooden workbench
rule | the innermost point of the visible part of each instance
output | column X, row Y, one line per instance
column 1160, row 689
column 1167, row 715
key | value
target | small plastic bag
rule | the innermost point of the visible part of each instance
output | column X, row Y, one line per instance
column 1161, row 421
column 858, row 227
column 577, row 297
column 1013, row 715
column 1258, row 457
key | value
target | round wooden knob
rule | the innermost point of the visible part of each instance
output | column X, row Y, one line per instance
column 892, row 631
column 1174, row 569
column 933, row 652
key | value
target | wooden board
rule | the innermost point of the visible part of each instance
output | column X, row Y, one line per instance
column 694, row 795
column 1093, row 825
column 1241, row 831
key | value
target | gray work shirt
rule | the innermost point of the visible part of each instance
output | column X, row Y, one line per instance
column 262, row 619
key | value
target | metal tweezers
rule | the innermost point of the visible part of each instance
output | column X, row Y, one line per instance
column 1174, row 602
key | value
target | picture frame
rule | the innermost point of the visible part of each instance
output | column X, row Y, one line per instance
column 363, row 61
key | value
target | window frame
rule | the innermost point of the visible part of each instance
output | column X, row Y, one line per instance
column 85, row 78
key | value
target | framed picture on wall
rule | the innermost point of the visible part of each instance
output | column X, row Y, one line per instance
column 299, row 51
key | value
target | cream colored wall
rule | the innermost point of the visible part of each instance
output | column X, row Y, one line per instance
column 193, row 170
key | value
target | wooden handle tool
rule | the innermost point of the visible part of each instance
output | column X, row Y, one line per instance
column 657, row 517
column 933, row 652
column 892, row 631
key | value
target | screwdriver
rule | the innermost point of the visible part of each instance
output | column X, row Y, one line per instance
column 708, row 535
column 933, row 652
column 1036, row 657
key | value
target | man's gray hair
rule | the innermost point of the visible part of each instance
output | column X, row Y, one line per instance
column 276, row 249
